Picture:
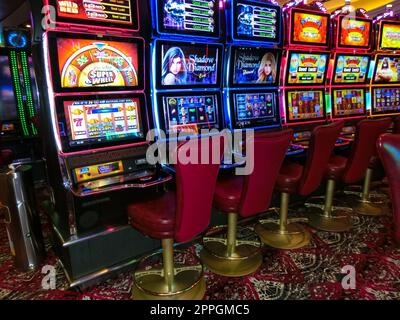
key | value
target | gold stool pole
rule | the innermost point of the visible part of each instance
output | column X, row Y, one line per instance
column 168, row 262
column 367, row 185
column 285, row 235
column 231, row 237
column 328, row 219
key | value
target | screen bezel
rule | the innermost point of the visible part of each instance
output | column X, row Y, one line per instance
column 254, row 123
column 381, row 34
column 335, row 116
column 373, row 102
column 232, row 53
column 135, row 26
column 339, row 45
column 162, row 30
column 353, row 55
column 62, row 117
column 322, row 118
column 162, row 115
column 306, row 84
column 278, row 25
column 54, row 61
column 158, row 64
column 376, row 69
column 317, row 44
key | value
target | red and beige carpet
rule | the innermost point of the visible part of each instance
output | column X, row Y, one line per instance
column 313, row 272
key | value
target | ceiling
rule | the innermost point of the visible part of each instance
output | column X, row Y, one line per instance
column 16, row 12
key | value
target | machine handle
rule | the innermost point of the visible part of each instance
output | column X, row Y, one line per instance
column 7, row 214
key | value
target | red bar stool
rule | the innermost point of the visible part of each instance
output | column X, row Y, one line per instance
column 303, row 180
column 388, row 146
column 352, row 170
column 396, row 128
column 246, row 196
column 6, row 157
column 179, row 216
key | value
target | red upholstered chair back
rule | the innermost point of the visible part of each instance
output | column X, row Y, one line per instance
column 269, row 152
column 396, row 128
column 196, row 185
column 364, row 147
column 322, row 142
column 388, row 146
column 5, row 157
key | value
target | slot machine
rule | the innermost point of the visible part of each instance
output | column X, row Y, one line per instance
column 385, row 80
column 352, row 39
column 92, row 64
column 18, row 95
column 305, row 63
column 187, row 60
column 253, row 57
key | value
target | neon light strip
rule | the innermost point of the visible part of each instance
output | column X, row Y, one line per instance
column 28, row 86
column 18, row 92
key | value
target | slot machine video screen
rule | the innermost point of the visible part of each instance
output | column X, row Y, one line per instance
column 387, row 69
column 348, row 102
column 94, row 121
column 351, row 69
column 309, row 28
column 8, row 107
column 190, row 112
column 121, row 13
column 307, row 68
column 354, row 32
column 89, row 63
column 188, row 17
column 386, row 100
column 390, row 36
column 302, row 105
column 254, row 66
column 254, row 20
column 183, row 64
column 254, row 109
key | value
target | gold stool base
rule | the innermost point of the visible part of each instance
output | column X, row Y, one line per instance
column 339, row 221
column 368, row 208
column 295, row 236
column 245, row 259
column 188, row 281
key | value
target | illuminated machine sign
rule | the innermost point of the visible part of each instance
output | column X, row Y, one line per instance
column 187, row 65
column 387, row 69
column 354, row 32
column 190, row 113
column 98, row 171
column 189, row 17
column 254, row 67
column 306, row 68
column 309, row 28
column 390, row 36
column 8, row 108
column 254, row 109
column 254, row 20
column 302, row 105
column 85, row 64
column 348, row 102
column 351, row 69
column 386, row 100
column 122, row 13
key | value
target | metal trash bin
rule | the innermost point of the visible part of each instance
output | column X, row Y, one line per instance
column 19, row 213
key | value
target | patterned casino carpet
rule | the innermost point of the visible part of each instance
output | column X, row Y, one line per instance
column 313, row 272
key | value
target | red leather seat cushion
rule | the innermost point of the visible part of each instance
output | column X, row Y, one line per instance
column 155, row 217
column 228, row 193
column 336, row 167
column 289, row 177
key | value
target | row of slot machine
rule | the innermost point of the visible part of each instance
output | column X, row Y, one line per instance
column 109, row 71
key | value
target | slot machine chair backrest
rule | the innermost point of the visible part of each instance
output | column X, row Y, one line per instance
column 396, row 128
column 302, row 180
column 388, row 146
column 245, row 196
column 6, row 157
column 353, row 169
column 178, row 216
